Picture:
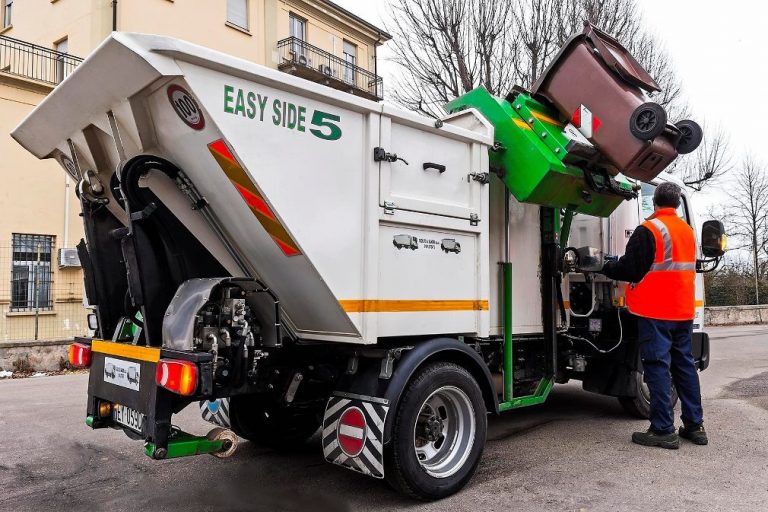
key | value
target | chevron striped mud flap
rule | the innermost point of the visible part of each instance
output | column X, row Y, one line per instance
column 216, row 411
column 353, row 432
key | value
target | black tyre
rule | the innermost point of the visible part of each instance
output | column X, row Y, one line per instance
column 640, row 405
column 267, row 423
column 648, row 121
column 692, row 135
column 438, row 434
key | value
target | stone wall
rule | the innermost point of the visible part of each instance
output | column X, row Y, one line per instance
column 41, row 356
column 736, row 315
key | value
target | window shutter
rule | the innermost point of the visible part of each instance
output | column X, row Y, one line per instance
column 237, row 12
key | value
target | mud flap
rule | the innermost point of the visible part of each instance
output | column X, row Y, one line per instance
column 353, row 433
column 216, row 412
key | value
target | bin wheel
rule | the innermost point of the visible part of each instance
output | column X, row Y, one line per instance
column 639, row 406
column 692, row 135
column 648, row 121
column 228, row 437
column 438, row 433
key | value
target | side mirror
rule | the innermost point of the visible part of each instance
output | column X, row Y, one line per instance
column 713, row 239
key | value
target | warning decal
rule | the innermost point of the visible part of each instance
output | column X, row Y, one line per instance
column 353, row 434
column 248, row 191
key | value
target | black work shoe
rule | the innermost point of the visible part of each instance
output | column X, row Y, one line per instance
column 696, row 435
column 651, row 438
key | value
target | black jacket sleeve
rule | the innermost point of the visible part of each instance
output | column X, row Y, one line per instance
column 637, row 260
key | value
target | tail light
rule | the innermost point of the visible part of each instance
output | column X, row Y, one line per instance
column 177, row 376
column 79, row 355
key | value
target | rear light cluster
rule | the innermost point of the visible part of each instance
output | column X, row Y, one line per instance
column 179, row 377
column 79, row 355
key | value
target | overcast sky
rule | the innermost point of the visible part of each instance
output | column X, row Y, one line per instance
column 719, row 50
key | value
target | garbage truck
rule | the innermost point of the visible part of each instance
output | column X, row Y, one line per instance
column 300, row 260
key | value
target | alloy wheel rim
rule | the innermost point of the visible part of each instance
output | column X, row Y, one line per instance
column 444, row 432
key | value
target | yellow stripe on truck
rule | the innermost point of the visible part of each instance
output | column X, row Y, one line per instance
column 407, row 306
column 699, row 303
column 546, row 119
column 521, row 124
column 112, row 348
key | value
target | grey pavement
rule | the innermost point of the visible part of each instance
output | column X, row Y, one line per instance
column 572, row 453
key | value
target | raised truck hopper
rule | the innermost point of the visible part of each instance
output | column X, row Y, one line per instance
column 291, row 183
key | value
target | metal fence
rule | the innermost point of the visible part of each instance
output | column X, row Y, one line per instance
column 35, row 62
column 300, row 53
column 39, row 297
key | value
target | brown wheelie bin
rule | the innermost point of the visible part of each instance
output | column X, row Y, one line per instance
column 594, row 74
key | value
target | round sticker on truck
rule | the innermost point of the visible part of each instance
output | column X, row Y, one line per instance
column 69, row 166
column 186, row 107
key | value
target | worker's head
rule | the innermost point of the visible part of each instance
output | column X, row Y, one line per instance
column 667, row 195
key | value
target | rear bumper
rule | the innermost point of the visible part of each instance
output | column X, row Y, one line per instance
column 125, row 374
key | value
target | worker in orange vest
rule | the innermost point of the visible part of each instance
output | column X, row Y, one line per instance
column 660, row 265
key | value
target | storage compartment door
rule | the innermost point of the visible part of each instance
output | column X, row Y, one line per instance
column 436, row 179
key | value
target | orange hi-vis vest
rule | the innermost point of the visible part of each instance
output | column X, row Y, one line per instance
column 667, row 290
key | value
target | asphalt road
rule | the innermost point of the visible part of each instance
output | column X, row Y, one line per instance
column 572, row 453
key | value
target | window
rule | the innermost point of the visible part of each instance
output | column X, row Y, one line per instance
column 31, row 273
column 62, row 70
column 7, row 10
column 237, row 13
column 646, row 202
column 298, row 28
column 350, row 60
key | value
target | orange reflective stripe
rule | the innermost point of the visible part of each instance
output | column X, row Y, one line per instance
column 404, row 306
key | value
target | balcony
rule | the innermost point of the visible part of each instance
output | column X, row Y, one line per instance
column 300, row 58
column 36, row 63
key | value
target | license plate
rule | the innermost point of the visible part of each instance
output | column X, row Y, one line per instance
column 128, row 417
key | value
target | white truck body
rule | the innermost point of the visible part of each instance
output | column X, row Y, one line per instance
column 343, row 279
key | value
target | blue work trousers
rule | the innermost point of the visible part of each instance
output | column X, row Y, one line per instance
column 665, row 349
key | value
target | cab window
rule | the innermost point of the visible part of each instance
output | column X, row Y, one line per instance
column 646, row 203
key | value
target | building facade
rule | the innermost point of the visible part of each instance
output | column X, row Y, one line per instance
column 41, row 290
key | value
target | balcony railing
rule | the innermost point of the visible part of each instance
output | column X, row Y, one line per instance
column 34, row 62
column 318, row 65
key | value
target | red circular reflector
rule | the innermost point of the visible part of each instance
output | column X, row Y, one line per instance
column 351, row 431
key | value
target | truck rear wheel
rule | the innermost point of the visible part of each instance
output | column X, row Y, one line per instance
column 639, row 406
column 438, row 434
column 266, row 423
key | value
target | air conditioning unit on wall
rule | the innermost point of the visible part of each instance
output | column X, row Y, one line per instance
column 68, row 258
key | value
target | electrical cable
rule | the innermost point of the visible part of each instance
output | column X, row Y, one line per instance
column 621, row 337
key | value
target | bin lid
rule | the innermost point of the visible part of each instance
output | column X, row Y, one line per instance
column 610, row 51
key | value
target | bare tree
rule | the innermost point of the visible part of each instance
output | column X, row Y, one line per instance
column 708, row 163
column 747, row 215
column 449, row 47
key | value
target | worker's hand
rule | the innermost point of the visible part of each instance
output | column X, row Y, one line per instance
column 608, row 260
